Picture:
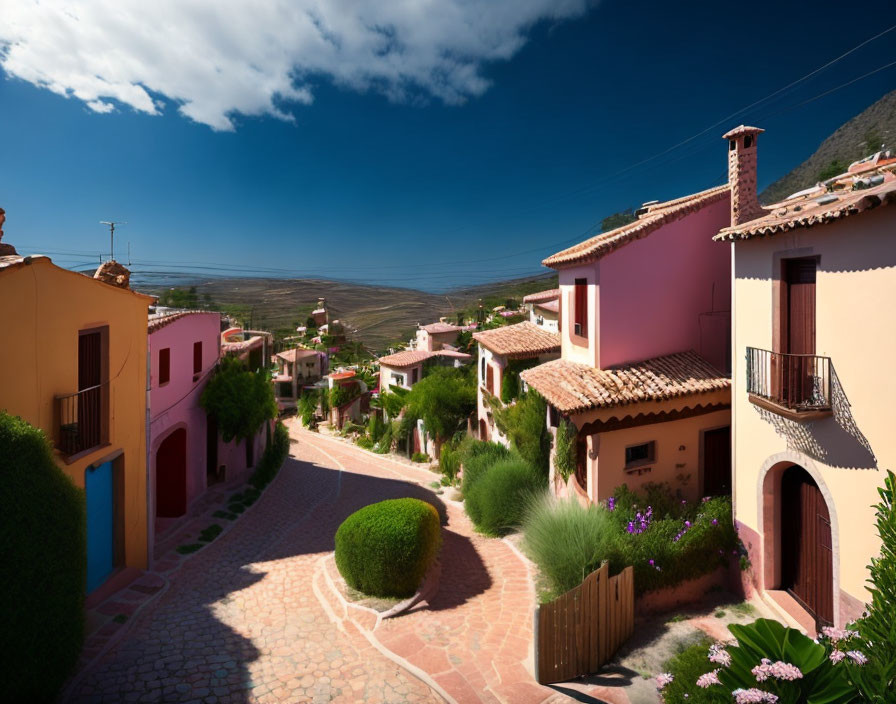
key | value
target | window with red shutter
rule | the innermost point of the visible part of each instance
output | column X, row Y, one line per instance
column 197, row 357
column 164, row 366
column 581, row 308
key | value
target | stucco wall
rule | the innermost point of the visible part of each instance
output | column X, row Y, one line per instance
column 847, row 454
column 176, row 404
column 386, row 373
column 645, row 298
column 43, row 309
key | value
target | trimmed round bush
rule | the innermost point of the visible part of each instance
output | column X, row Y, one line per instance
column 44, row 539
column 384, row 549
column 497, row 500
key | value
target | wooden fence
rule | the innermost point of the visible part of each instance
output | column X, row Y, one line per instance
column 581, row 630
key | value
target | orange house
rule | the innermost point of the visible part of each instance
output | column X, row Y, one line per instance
column 74, row 365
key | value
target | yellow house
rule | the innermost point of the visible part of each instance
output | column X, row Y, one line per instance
column 814, row 331
column 74, row 364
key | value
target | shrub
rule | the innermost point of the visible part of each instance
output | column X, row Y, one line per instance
column 444, row 399
column 43, row 534
column 273, row 458
column 239, row 400
column 510, row 379
column 420, row 457
column 384, row 549
column 365, row 442
column 497, row 500
column 566, row 540
column 565, row 449
column 877, row 630
column 342, row 394
column 307, row 406
column 685, row 668
column 449, row 463
column 476, row 457
column 524, row 424
column 376, row 427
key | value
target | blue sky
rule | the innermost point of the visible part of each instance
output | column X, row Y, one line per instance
column 404, row 165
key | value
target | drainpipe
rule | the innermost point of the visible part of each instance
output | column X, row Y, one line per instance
column 150, row 526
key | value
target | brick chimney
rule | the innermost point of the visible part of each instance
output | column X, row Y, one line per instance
column 6, row 250
column 114, row 274
column 742, row 174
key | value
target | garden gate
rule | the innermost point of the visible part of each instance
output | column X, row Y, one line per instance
column 582, row 629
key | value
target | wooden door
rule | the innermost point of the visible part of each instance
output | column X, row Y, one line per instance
column 717, row 462
column 90, row 397
column 582, row 463
column 798, row 335
column 807, row 558
column 171, row 475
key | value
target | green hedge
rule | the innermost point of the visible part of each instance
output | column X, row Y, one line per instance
column 273, row 458
column 497, row 501
column 476, row 456
column 384, row 549
column 44, row 546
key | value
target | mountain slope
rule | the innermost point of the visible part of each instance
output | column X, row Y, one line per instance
column 859, row 137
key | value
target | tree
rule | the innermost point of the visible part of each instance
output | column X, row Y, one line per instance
column 623, row 217
column 239, row 400
column 43, row 534
column 525, row 425
column 877, row 630
column 443, row 400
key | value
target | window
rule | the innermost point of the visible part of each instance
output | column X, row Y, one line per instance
column 748, row 141
column 482, row 365
column 398, row 379
column 637, row 455
column 581, row 308
column 164, row 366
column 415, row 376
column 197, row 357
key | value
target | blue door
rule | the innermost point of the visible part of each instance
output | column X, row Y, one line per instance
column 100, row 525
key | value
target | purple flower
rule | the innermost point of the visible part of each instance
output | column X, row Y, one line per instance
column 719, row 655
column 705, row 499
column 687, row 524
column 836, row 656
column 663, row 679
column 611, row 503
column 753, row 696
column 715, row 521
column 650, row 562
column 838, row 634
column 857, row 657
column 779, row 670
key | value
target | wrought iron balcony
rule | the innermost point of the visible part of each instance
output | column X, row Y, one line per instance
column 797, row 386
column 81, row 421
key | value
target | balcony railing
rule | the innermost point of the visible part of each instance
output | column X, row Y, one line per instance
column 796, row 382
column 81, row 420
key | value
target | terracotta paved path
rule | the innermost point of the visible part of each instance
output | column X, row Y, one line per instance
column 251, row 617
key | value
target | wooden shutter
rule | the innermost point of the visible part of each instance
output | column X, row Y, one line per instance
column 581, row 307
column 164, row 366
column 197, row 357
column 490, row 379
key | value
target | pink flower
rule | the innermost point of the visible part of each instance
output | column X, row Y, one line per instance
column 719, row 655
column 748, row 696
column 779, row 670
column 838, row 634
column 663, row 679
column 709, row 679
column 836, row 656
column 857, row 657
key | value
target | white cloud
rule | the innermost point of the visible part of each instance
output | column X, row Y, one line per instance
column 218, row 58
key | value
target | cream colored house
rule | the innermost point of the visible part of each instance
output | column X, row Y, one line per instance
column 544, row 309
column 814, row 334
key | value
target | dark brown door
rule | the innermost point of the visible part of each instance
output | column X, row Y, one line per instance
column 798, row 335
column 807, row 558
column 171, row 475
column 717, row 462
column 90, row 396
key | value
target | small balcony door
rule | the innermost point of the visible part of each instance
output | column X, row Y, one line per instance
column 797, row 333
column 91, row 363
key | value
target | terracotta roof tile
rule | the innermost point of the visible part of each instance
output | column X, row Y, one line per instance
column 542, row 296
column 657, row 215
column 572, row 387
column 290, row 355
column 406, row 358
column 825, row 203
column 440, row 327
column 520, row 341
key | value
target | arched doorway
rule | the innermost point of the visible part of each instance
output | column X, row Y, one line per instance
column 807, row 558
column 171, row 475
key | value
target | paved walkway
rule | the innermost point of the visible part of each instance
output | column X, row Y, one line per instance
column 250, row 618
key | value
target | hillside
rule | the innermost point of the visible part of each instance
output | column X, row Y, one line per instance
column 376, row 315
column 859, row 137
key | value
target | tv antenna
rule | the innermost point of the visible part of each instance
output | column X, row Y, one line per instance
column 112, row 235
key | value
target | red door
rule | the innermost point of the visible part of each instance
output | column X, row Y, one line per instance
column 807, row 558
column 582, row 463
column 798, row 333
column 717, row 462
column 171, row 475
column 90, row 397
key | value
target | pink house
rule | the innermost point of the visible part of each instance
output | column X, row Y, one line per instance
column 186, row 453
column 643, row 313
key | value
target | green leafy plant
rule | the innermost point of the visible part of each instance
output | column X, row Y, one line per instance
column 497, row 501
column 375, row 427
column 238, row 399
column 420, row 457
column 271, row 461
column 877, row 629
column 207, row 535
column 43, row 534
column 686, row 668
column 443, row 400
column 565, row 449
column 524, row 424
column 477, row 457
column 449, row 463
column 342, row 394
column 384, row 549
column 510, row 378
